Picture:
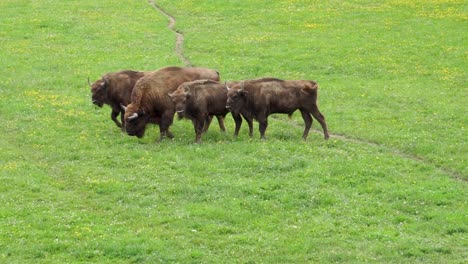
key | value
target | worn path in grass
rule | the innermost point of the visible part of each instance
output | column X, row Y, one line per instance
column 179, row 45
column 394, row 151
column 397, row 152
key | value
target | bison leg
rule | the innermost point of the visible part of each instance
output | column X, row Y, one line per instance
column 207, row 123
column 199, row 125
column 317, row 115
column 164, row 124
column 238, row 121
column 221, row 123
column 307, row 121
column 250, row 123
column 122, row 119
column 169, row 134
column 114, row 115
column 162, row 133
column 263, row 124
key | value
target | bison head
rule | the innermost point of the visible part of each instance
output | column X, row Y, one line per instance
column 179, row 98
column 99, row 92
column 235, row 98
column 135, row 121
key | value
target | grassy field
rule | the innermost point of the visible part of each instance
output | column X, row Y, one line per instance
column 388, row 187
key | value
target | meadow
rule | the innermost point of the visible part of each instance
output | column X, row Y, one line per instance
column 389, row 186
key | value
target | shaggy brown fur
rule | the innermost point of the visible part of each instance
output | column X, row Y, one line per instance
column 199, row 101
column 150, row 99
column 115, row 89
column 256, row 99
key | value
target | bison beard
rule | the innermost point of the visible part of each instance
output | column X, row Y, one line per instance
column 150, row 99
column 257, row 99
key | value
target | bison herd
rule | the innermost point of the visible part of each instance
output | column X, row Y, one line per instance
column 142, row 97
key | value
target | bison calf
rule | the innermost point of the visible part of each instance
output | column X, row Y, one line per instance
column 199, row 101
column 257, row 99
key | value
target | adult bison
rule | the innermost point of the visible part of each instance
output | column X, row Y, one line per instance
column 256, row 99
column 115, row 89
column 150, row 99
column 199, row 101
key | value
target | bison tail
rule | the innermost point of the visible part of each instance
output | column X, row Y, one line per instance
column 315, row 86
column 310, row 89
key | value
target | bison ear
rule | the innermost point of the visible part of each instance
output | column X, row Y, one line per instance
column 186, row 91
column 242, row 90
column 104, row 82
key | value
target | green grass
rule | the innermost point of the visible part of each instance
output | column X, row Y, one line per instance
column 388, row 187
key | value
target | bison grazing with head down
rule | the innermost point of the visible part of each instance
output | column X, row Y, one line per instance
column 150, row 99
column 256, row 99
column 115, row 89
column 199, row 100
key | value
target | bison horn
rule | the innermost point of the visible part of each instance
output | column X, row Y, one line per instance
column 89, row 82
column 226, row 86
column 123, row 107
column 133, row 116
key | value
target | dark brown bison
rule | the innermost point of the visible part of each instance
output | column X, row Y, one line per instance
column 115, row 89
column 150, row 99
column 199, row 101
column 256, row 99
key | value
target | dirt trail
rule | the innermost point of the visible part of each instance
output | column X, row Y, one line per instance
column 179, row 45
column 179, row 50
